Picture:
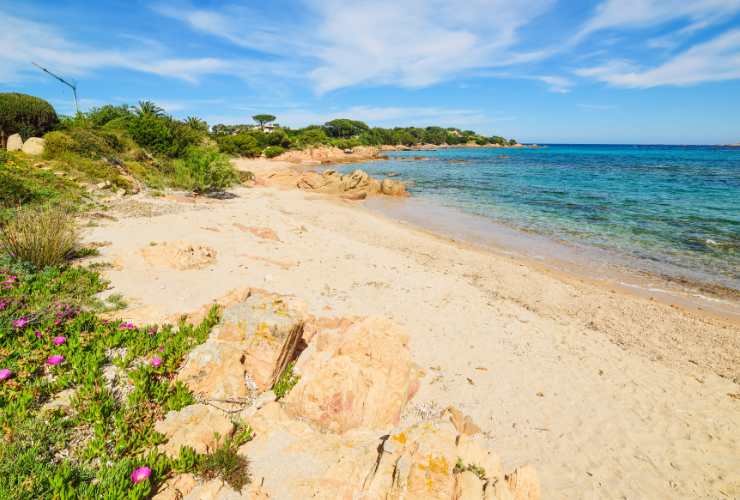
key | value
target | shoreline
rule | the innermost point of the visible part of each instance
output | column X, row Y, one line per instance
column 590, row 264
column 542, row 362
column 621, row 272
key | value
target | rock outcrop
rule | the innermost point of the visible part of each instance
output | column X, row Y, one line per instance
column 434, row 459
column 15, row 143
column 198, row 426
column 33, row 146
column 335, row 434
column 330, row 154
column 247, row 351
column 356, row 186
column 354, row 376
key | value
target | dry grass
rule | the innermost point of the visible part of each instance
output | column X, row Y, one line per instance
column 41, row 236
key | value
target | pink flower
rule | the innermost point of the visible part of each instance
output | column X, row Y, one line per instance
column 156, row 362
column 161, row 349
column 5, row 374
column 126, row 326
column 20, row 323
column 55, row 359
column 59, row 340
column 141, row 474
column 152, row 330
column 38, row 334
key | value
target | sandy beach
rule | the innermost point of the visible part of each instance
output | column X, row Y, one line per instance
column 608, row 394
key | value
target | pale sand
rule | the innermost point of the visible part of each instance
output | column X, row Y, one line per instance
column 594, row 388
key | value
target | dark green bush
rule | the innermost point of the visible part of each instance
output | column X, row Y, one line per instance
column 278, row 138
column 163, row 134
column 26, row 115
column 273, row 151
column 203, row 170
column 242, row 144
column 103, row 115
column 151, row 131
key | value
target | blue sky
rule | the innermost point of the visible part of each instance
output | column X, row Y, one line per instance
column 610, row 71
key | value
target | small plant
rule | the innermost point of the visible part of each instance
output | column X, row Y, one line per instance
column 203, row 170
column 44, row 236
column 286, row 381
column 226, row 463
column 460, row 467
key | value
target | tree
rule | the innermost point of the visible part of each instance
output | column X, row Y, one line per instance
column 262, row 119
column 26, row 115
column 344, row 128
column 196, row 124
column 148, row 108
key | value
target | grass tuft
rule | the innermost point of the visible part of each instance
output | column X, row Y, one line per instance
column 42, row 236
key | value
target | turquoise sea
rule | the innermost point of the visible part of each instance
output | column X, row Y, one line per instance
column 674, row 210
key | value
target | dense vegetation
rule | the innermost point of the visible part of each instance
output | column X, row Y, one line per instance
column 26, row 115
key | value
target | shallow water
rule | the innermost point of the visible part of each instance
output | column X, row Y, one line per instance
column 671, row 210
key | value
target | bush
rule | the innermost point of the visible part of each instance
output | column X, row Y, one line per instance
column 242, row 144
column 120, row 123
column 203, row 170
column 44, row 236
column 87, row 142
column 278, row 137
column 151, row 132
column 20, row 184
column 57, row 144
column 26, row 115
column 103, row 115
column 273, row 151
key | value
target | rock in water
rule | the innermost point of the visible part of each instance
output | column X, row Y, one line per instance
column 15, row 142
column 33, row 146
column 354, row 376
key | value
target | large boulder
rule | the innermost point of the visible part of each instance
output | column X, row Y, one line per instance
column 198, row 426
column 357, row 375
column 33, row 146
column 15, row 142
column 357, row 185
column 248, row 350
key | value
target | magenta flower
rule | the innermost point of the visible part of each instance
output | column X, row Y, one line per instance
column 20, row 323
column 152, row 330
column 38, row 334
column 5, row 374
column 55, row 359
column 59, row 340
column 3, row 304
column 161, row 348
column 126, row 326
column 156, row 362
column 141, row 474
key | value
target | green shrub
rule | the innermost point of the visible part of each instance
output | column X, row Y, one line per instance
column 120, row 123
column 103, row 115
column 278, row 137
column 4, row 157
column 151, row 131
column 183, row 136
column 58, row 144
column 203, row 170
column 26, row 115
column 41, row 236
column 242, row 144
column 273, row 151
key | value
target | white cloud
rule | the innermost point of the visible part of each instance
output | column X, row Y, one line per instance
column 411, row 43
column 558, row 84
column 715, row 60
column 24, row 41
column 415, row 43
column 642, row 13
